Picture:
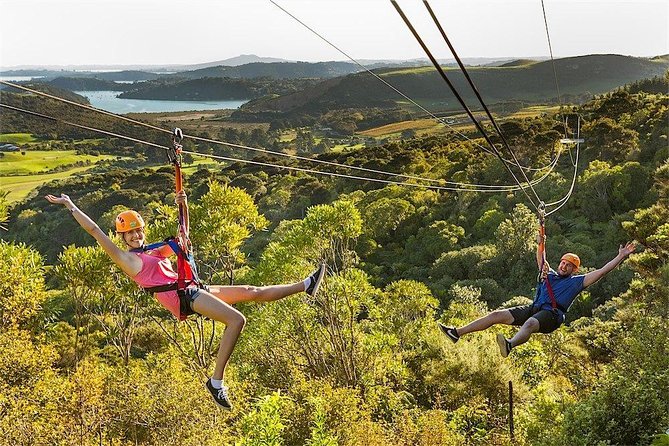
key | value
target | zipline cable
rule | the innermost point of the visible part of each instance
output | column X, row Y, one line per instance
column 478, row 95
column 244, row 147
column 92, row 129
column 259, row 163
column 84, row 106
column 459, row 98
column 389, row 85
column 392, row 87
column 550, row 49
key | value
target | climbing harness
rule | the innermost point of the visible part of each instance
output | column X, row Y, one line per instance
column 181, row 245
column 543, row 275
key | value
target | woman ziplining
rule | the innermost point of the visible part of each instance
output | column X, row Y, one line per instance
column 556, row 291
column 181, row 291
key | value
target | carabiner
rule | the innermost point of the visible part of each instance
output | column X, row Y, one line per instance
column 177, row 136
column 541, row 209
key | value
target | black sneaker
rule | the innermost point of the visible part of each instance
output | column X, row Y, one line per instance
column 504, row 345
column 220, row 395
column 316, row 279
column 451, row 332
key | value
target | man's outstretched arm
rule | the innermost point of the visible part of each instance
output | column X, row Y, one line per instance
column 623, row 252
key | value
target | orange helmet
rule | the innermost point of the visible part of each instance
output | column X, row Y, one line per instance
column 573, row 259
column 128, row 220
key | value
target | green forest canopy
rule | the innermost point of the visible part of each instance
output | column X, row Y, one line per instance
column 93, row 360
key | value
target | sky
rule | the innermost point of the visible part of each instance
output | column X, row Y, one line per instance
column 175, row 32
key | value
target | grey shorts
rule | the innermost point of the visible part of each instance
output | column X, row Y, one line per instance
column 186, row 299
column 549, row 321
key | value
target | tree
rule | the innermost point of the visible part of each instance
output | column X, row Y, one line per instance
column 384, row 215
column 4, row 210
column 430, row 242
column 609, row 141
column 22, row 285
column 515, row 237
column 223, row 219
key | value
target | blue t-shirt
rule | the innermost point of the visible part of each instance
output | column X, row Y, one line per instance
column 565, row 290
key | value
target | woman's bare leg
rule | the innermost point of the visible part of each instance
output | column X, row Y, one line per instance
column 496, row 317
column 214, row 308
column 233, row 294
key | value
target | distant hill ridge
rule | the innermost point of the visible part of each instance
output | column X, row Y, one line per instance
column 518, row 63
column 275, row 70
column 534, row 82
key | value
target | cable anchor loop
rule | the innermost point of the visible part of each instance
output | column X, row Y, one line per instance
column 541, row 209
column 174, row 153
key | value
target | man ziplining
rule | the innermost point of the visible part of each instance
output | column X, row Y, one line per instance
column 555, row 294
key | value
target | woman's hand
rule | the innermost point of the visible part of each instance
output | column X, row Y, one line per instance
column 627, row 249
column 181, row 198
column 63, row 199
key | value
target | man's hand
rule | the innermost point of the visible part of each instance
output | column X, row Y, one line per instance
column 544, row 272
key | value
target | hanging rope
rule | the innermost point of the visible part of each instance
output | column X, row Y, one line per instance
column 550, row 50
column 565, row 199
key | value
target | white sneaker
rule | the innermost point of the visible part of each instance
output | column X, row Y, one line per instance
column 220, row 395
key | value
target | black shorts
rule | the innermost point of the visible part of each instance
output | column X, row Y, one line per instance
column 549, row 321
column 186, row 299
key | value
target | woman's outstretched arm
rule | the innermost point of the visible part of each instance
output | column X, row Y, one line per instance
column 128, row 262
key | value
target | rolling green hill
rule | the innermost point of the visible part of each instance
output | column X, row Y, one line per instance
column 581, row 76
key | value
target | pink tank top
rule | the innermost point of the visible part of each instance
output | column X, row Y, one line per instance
column 157, row 270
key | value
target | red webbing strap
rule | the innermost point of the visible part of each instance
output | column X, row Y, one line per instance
column 184, row 274
column 550, row 293
column 549, row 288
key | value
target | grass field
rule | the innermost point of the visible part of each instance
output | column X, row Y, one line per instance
column 198, row 163
column 16, row 138
column 457, row 122
column 14, row 163
column 341, row 147
column 288, row 135
column 397, row 128
column 415, row 70
column 19, row 187
column 24, row 169
column 530, row 112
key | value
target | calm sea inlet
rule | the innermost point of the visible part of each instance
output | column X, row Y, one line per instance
column 107, row 100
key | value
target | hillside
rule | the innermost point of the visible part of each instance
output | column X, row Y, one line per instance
column 582, row 76
column 275, row 70
column 214, row 88
column 517, row 63
column 242, row 59
column 87, row 84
